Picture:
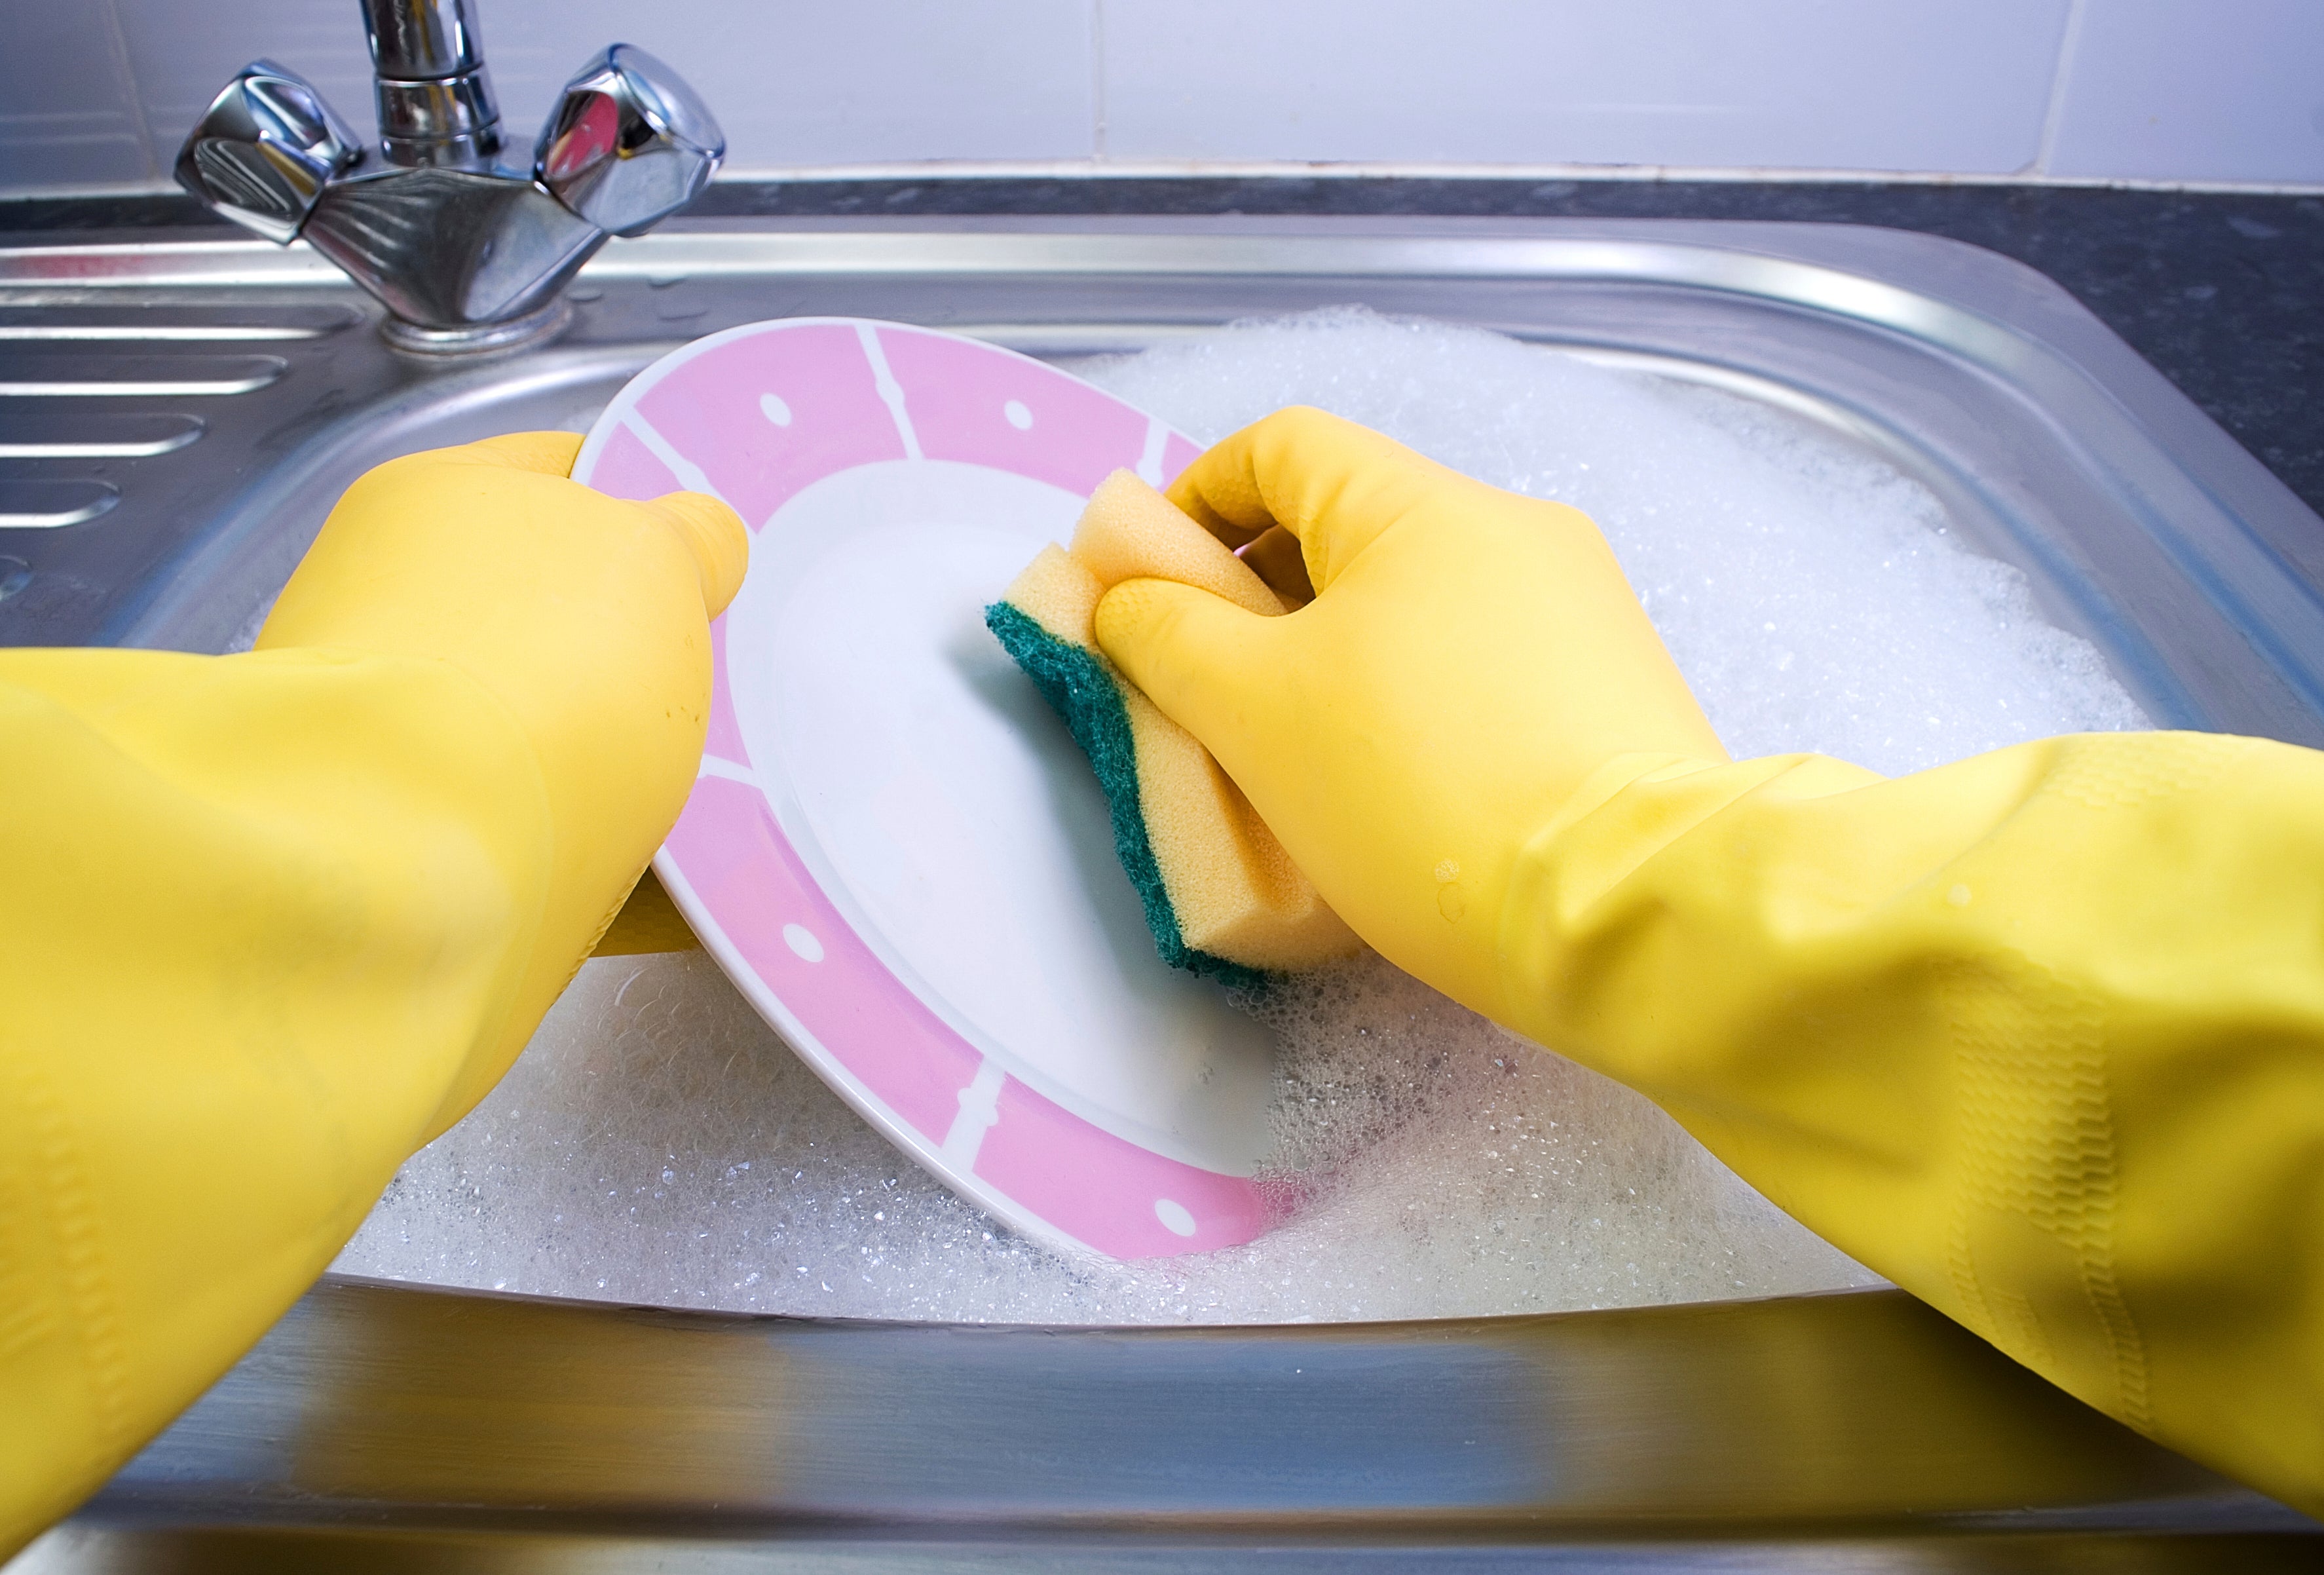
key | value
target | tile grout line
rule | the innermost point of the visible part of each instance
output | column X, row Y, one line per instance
column 117, row 43
column 1091, row 169
column 1419, row 170
column 1097, row 81
column 2067, row 44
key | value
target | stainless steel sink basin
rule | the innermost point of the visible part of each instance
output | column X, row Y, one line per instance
column 176, row 419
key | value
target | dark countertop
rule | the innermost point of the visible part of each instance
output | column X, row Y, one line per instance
column 2223, row 291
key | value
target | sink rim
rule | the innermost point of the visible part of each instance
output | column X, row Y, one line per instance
column 2213, row 512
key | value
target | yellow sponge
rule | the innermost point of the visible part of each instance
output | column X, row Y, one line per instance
column 1221, row 895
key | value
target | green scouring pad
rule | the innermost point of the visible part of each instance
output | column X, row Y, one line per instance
column 1220, row 895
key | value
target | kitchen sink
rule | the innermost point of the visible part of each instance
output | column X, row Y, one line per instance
column 176, row 419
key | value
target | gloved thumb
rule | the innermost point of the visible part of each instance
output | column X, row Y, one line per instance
column 1205, row 662
column 714, row 533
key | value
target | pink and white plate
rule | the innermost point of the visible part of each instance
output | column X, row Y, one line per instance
column 894, row 850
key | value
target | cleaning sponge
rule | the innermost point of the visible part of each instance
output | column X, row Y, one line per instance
column 1222, row 897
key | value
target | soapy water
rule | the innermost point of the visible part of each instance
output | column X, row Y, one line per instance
column 657, row 1142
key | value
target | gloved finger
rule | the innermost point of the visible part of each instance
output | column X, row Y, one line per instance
column 711, row 531
column 714, row 533
column 549, row 453
column 1333, row 485
column 1198, row 656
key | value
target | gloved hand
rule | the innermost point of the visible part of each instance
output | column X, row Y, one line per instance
column 602, row 660
column 268, row 922
column 2038, row 1035
column 1471, row 657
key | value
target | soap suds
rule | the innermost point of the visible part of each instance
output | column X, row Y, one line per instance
column 656, row 1142
column 1814, row 597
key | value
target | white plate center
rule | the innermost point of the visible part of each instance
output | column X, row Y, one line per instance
column 949, row 814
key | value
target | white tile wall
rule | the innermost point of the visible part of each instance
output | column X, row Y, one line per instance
column 2222, row 88
column 96, row 93
column 865, row 81
column 68, row 112
column 830, row 81
column 1958, row 86
column 182, row 53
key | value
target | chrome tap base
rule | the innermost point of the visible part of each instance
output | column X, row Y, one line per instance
column 467, row 254
column 536, row 327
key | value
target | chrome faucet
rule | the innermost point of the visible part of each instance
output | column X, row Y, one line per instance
column 465, row 253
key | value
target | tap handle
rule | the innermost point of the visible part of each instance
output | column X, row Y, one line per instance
column 265, row 150
column 629, row 144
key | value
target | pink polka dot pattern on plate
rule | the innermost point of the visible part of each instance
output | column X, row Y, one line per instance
column 959, row 396
column 1098, row 1188
column 715, row 414
column 757, row 413
column 744, row 870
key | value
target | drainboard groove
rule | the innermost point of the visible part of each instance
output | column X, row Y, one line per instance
column 102, row 375
column 46, row 505
column 171, row 324
column 96, row 435
column 83, row 332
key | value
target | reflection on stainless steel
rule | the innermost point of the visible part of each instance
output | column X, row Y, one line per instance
column 402, row 1429
column 465, row 254
column 1857, row 1414
column 813, row 1550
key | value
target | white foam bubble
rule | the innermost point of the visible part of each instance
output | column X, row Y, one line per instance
column 657, row 1142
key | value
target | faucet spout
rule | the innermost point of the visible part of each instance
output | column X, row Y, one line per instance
column 414, row 40
column 436, row 104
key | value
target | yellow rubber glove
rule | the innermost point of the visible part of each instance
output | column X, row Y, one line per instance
column 2038, row 1035
column 269, row 923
